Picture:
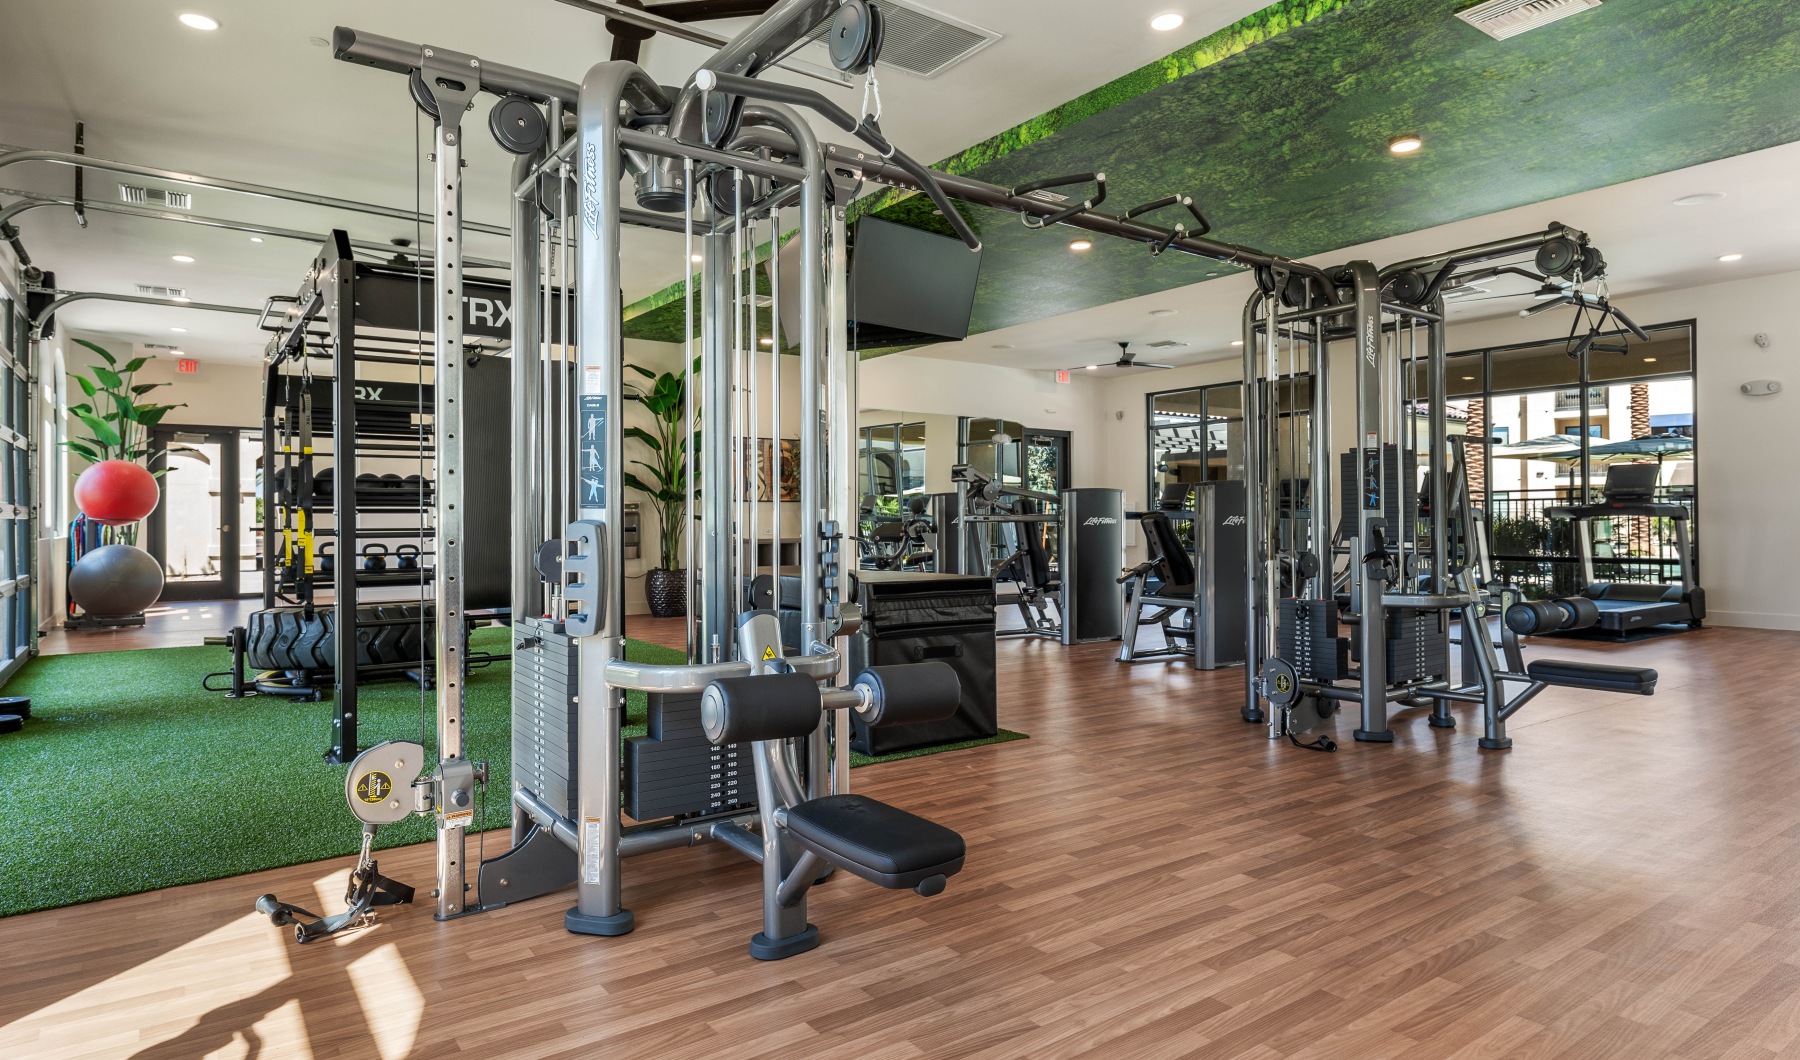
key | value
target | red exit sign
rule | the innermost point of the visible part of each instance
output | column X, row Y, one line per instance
column 1062, row 375
column 187, row 366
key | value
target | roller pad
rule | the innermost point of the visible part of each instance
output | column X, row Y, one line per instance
column 769, row 707
column 909, row 693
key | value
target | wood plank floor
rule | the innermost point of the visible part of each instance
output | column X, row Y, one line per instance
column 1148, row 877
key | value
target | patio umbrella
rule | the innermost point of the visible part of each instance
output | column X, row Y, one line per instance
column 1549, row 447
column 1658, row 446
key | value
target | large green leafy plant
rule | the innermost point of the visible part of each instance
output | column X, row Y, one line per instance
column 665, row 479
column 118, row 425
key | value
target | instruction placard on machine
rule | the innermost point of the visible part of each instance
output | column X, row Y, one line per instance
column 591, row 442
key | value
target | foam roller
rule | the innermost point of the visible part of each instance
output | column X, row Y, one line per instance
column 907, row 693
column 1550, row 616
column 769, row 707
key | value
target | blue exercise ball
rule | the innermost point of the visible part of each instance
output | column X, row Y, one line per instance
column 115, row 580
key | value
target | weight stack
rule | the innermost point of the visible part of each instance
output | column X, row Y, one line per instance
column 1399, row 493
column 1418, row 645
column 1306, row 636
column 544, row 747
column 674, row 772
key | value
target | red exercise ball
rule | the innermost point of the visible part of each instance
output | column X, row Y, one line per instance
column 116, row 492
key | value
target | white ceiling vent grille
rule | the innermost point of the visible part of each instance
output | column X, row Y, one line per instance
column 153, row 291
column 1168, row 344
column 924, row 42
column 1501, row 19
column 173, row 200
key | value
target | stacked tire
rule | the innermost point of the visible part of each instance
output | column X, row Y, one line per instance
column 295, row 639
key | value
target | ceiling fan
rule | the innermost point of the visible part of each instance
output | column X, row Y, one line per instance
column 1127, row 359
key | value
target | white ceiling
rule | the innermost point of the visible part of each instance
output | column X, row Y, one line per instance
column 258, row 101
column 1650, row 245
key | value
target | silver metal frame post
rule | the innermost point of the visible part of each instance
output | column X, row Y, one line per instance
column 448, row 76
column 1371, row 411
column 600, row 637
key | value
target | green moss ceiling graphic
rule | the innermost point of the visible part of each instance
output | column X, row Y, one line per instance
column 1278, row 127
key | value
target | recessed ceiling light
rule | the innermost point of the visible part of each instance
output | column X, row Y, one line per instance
column 256, row 239
column 178, row 353
column 1092, row 367
column 1731, row 257
column 183, row 258
column 1406, row 145
column 193, row 21
column 1237, row 342
column 1649, row 360
column 1162, row 312
column 1700, row 198
column 1167, row 21
column 177, row 329
column 1079, row 245
column 179, row 298
column 1468, row 379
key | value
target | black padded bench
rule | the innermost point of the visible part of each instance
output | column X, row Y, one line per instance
column 883, row 844
column 1602, row 677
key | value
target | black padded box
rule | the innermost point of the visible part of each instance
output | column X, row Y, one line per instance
column 911, row 617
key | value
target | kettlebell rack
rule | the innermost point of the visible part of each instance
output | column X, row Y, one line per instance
column 348, row 401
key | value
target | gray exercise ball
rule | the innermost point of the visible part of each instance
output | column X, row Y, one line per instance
column 115, row 580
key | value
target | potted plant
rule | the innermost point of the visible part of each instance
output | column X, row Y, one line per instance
column 118, row 426
column 664, row 483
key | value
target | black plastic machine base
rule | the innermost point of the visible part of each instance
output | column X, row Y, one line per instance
column 1365, row 736
column 764, row 948
column 1495, row 745
column 579, row 923
column 1254, row 717
column 1442, row 723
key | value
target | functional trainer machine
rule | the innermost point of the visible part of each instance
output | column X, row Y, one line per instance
column 1409, row 568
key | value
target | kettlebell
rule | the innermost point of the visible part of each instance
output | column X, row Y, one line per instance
column 322, row 483
column 391, row 481
column 375, row 557
column 324, row 559
column 406, row 557
column 367, row 481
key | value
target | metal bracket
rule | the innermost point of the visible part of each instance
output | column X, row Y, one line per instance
column 584, row 578
column 454, row 794
column 453, row 78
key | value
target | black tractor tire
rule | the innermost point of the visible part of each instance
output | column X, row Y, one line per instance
column 287, row 638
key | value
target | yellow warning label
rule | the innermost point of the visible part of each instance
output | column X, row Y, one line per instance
column 768, row 652
column 374, row 787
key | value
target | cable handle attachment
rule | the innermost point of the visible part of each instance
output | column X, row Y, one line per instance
column 1098, row 180
column 1180, row 230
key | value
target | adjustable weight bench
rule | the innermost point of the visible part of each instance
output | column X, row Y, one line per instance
column 801, row 837
column 1166, row 584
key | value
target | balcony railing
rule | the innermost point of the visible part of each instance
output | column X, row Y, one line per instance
column 1537, row 553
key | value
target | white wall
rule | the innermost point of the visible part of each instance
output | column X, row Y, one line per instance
column 1749, row 506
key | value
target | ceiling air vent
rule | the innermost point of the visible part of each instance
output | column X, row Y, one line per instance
column 924, row 42
column 153, row 291
column 1501, row 19
column 1168, row 344
column 172, row 200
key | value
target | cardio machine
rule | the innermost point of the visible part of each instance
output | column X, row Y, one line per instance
column 1625, row 607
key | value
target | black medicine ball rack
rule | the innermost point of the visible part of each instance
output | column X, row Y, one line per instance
column 345, row 424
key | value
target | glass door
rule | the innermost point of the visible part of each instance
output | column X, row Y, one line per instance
column 197, row 528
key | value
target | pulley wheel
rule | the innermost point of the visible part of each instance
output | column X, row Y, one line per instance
column 1558, row 257
column 1280, row 682
column 421, row 92
column 1410, row 287
column 855, row 36
column 518, row 126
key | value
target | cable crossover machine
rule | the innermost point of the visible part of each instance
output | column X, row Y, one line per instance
column 748, row 740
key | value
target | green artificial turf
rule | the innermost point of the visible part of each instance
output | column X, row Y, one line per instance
column 129, row 777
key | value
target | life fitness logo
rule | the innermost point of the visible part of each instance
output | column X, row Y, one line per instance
column 1099, row 520
column 590, row 180
column 1369, row 334
column 1235, row 520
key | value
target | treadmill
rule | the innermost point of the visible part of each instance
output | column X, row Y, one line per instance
column 1625, row 607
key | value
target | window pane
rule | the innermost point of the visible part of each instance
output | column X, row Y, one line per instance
column 1533, row 368
column 1225, row 402
column 1669, row 352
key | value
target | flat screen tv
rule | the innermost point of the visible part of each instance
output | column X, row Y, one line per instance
column 907, row 287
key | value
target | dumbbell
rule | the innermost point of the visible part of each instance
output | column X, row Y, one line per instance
column 1551, row 616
